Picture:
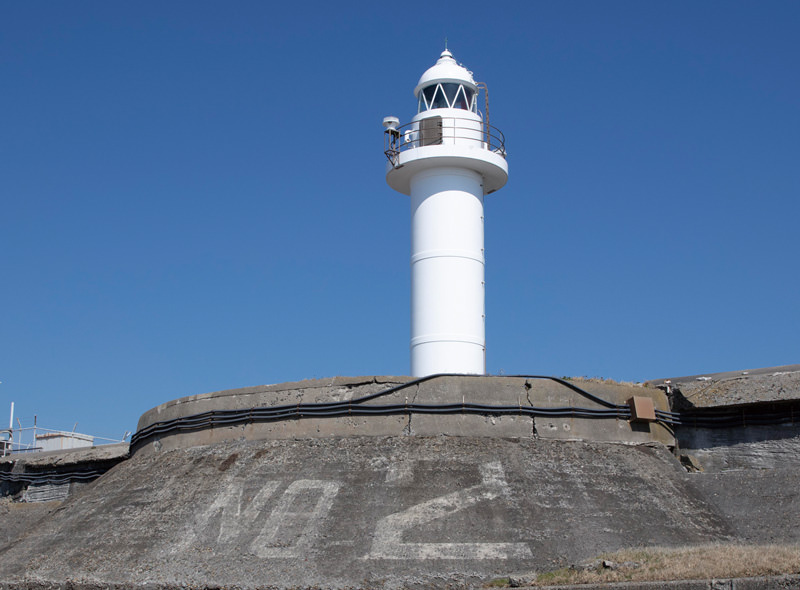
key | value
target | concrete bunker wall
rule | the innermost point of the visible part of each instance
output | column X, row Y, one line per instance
column 387, row 501
column 438, row 391
column 362, row 512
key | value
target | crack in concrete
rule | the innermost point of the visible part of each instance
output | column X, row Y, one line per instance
column 528, row 388
column 408, row 430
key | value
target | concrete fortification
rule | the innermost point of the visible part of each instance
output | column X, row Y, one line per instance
column 380, row 482
column 444, row 405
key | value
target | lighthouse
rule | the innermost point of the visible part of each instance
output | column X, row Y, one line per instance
column 447, row 159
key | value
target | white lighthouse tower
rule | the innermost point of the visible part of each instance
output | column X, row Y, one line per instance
column 447, row 159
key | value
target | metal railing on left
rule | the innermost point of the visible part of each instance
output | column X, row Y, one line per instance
column 28, row 440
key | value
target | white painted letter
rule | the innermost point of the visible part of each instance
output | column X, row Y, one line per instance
column 388, row 542
column 295, row 518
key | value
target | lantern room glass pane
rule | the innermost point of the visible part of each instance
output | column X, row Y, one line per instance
column 447, row 95
column 427, row 94
column 460, row 101
column 473, row 104
column 439, row 99
column 450, row 91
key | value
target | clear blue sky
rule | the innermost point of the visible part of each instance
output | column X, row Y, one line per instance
column 193, row 193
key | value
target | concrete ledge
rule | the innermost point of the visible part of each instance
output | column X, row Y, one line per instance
column 734, row 387
column 100, row 453
column 494, row 391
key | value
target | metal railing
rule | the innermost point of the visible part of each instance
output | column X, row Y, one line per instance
column 443, row 131
column 24, row 439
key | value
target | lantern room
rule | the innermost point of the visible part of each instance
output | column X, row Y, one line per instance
column 446, row 85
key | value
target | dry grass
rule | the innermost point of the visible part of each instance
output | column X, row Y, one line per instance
column 685, row 563
column 7, row 504
column 585, row 379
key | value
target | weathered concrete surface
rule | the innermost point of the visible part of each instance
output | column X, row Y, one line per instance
column 98, row 459
column 785, row 582
column 69, row 457
column 387, row 502
column 307, row 391
column 752, row 447
column 17, row 518
column 363, row 512
column 754, row 393
column 513, row 391
column 734, row 387
column 757, row 505
column 788, row 582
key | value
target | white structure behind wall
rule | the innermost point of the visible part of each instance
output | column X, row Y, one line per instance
column 60, row 441
column 446, row 159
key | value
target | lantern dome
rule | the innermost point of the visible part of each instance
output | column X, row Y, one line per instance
column 446, row 85
column 446, row 69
